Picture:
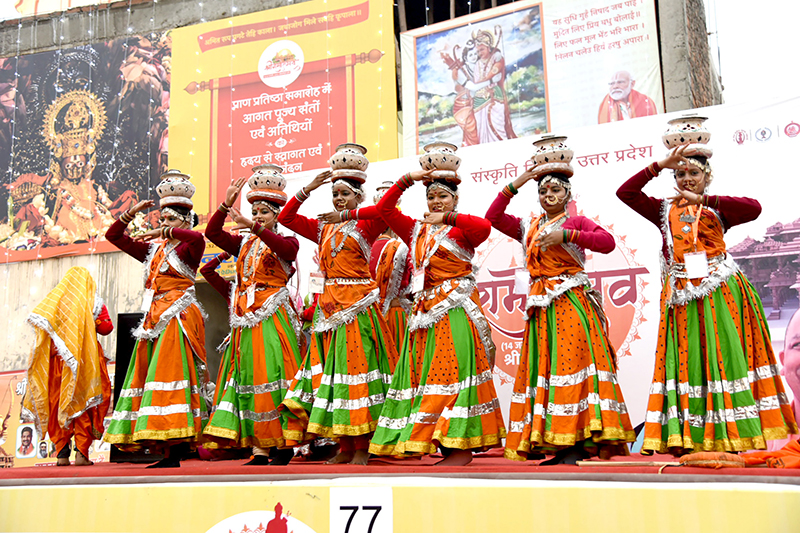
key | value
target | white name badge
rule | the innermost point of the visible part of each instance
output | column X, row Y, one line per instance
column 251, row 295
column 696, row 265
column 316, row 283
column 522, row 282
column 147, row 300
column 418, row 282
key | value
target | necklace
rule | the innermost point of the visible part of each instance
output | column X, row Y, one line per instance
column 345, row 229
column 252, row 258
column 164, row 265
column 688, row 218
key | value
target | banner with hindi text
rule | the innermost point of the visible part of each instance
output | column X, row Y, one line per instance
column 530, row 67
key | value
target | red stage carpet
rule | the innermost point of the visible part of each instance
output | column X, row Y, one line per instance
column 489, row 465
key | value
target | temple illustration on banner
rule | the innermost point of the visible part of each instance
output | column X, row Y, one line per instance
column 773, row 267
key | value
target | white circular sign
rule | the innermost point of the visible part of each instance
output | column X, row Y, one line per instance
column 281, row 64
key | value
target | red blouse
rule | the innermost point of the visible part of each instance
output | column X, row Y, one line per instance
column 190, row 250
column 469, row 231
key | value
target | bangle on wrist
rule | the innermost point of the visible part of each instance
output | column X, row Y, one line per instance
column 302, row 195
column 406, row 181
column 225, row 208
column 511, row 188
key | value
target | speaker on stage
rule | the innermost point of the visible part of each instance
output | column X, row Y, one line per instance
column 126, row 323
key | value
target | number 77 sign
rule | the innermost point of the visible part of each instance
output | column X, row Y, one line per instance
column 361, row 510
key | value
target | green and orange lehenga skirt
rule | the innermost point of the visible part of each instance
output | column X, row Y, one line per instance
column 340, row 389
column 716, row 384
column 256, row 371
column 442, row 393
column 566, row 391
column 161, row 399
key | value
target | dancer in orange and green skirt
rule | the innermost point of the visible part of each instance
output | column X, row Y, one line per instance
column 716, row 384
column 161, row 405
column 391, row 270
column 340, row 389
column 264, row 352
column 567, row 400
column 442, row 392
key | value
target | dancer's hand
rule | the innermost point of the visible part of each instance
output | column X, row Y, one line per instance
column 551, row 239
column 675, row 160
column 320, row 179
column 233, row 191
column 684, row 198
column 141, row 206
column 433, row 218
column 148, row 235
column 524, row 178
column 332, row 217
column 419, row 175
column 240, row 219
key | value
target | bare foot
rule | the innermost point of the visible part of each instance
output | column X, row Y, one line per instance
column 456, row 458
column 62, row 461
column 82, row 460
column 360, row 457
column 341, row 457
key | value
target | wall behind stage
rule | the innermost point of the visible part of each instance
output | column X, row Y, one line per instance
column 752, row 145
column 282, row 86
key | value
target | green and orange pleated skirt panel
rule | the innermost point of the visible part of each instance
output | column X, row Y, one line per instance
column 397, row 322
column 256, row 371
column 161, row 398
column 340, row 388
column 442, row 393
column 716, row 384
column 566, row 391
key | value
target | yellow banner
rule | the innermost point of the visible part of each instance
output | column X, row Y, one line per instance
column 387, row 505
column 283, row 86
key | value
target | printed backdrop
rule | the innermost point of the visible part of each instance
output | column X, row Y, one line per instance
column 83, row 135
column 283, row 86
column 750, row 144
column 528, row 67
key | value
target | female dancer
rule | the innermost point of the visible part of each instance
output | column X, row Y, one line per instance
column 566, row 396
column 341, row 388
column 264, row 353
column 391, row 270
column 68, row 390
column 161, row 404
column 716, row 385
column 442, row 392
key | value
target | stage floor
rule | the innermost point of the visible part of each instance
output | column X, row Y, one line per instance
column 490, row 465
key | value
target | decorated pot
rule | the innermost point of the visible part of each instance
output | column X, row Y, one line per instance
column 349, row 156
column 267, row 177
column 440, row 156
column 539, row 171
column 552, row 149
column 175, row 189
column 688, row 129
column 267, row 184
